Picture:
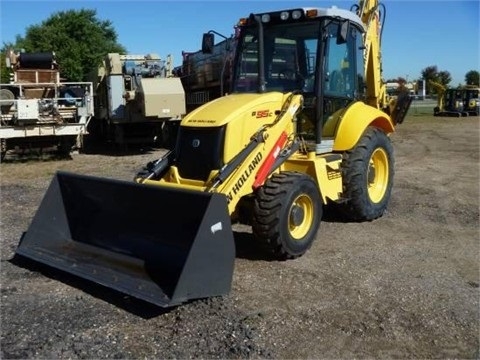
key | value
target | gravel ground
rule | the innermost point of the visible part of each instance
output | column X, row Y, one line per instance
column 403, row 286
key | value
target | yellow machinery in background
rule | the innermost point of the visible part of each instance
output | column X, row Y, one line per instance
column 471, row 100
column 455, row 102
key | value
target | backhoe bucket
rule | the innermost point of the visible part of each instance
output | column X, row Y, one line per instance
column 162, row 245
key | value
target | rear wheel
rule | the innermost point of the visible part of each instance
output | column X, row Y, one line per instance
column 65, row 145
column 286, row 214
column 368, row 176
column 3, row 149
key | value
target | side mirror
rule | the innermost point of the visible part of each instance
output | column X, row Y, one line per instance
column 208, row 40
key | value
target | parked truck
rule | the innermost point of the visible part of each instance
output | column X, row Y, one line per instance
column 38, row 109
column 206, row 76
column 137, row 100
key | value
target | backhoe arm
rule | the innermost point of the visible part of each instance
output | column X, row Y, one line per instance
column 440, row 89
column 372, row 18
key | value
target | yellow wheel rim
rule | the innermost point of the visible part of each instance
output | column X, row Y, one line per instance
column 377, row 175
column 300, row 217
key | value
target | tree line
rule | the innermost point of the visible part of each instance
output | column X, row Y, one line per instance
column 79, row 39
column 444, row 78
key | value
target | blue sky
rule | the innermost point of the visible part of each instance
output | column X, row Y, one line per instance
column 417, row 34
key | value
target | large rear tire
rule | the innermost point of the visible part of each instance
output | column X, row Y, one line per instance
column 368, row 172
column 286, row 214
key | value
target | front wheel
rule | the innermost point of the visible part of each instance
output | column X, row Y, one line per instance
column 287, row 213
column 368, row 173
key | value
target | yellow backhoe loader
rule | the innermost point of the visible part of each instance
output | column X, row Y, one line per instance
column 450, row 102
column 306, row 124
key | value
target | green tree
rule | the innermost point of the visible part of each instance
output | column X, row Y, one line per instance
column 444, row 78
column 430, row 73
column 4, row 70
column 79, row 39
column 472, row 78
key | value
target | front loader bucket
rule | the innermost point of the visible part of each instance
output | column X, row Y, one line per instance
column 162, row 245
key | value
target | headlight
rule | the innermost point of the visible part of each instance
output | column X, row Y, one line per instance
column 284, row 15
column 265, row 18
column 296, row 14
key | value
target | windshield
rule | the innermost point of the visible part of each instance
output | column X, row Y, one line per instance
column 290, row 57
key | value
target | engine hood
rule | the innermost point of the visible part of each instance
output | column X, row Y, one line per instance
column 227, row 108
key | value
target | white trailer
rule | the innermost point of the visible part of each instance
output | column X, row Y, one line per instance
column 37, row 109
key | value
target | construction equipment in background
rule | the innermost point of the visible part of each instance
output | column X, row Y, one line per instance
column 393, row 88
column 471, row 100
column 207, row 76
column 305, row 126
column 450, row 102
column 39, row 110
column 137, row 100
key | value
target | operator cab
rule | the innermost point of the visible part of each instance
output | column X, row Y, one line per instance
column 317, row 52
column 471, row 101
column 454, row 100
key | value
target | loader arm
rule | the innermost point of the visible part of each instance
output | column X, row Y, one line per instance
column 241, row 182
column 251, row 165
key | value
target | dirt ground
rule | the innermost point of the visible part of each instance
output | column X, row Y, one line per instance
column 403, row 286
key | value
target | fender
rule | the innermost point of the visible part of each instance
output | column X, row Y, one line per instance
column 352, row 124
